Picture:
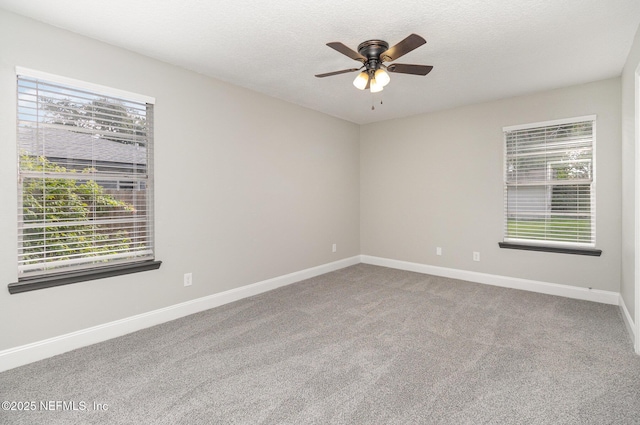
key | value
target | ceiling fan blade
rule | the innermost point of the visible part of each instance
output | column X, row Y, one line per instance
column 405, row 68
column 405, row 46
column 336, row 45
column 329, row 74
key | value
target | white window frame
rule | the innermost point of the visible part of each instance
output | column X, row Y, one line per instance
column 114, row 266
column 537, row 244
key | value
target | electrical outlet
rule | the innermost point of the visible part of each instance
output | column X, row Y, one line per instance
column 334, row 248
column 438, row 251
column 188, row 279
column 476, row 256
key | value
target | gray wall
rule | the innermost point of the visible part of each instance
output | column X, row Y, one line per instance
column 630, row 117
column 247, row 187
column 437, row 180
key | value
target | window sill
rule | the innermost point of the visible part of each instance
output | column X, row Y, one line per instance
column 576, row 251
column 41, row 282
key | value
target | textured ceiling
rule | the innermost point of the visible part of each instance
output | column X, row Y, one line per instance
column 480, row 50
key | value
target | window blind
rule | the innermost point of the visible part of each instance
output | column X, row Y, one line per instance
column 549, row 190
column 85, row 187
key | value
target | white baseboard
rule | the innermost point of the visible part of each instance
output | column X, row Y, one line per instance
column 628, row 321
column 596, row 295
column 18, row 356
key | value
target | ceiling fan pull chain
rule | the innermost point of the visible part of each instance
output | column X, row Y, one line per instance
column 373, row 101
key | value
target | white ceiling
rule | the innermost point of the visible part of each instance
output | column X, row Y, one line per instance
column 480, row 50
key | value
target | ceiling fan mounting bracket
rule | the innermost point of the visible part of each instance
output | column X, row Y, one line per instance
column 372, row 48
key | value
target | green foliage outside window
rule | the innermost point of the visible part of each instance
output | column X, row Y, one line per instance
column 67, row 208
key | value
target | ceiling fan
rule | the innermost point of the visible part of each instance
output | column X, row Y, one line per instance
column 373, row 54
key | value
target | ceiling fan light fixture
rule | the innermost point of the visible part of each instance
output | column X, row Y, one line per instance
column 361, row 80
column 382, row 77
column 375, row 86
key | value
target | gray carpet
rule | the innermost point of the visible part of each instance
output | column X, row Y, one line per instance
column 362, row 345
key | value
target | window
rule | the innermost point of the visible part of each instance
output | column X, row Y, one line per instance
column 549, row 190
column 85, row 186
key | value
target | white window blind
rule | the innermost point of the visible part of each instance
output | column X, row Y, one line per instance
column 85, row 187
column 549, row 190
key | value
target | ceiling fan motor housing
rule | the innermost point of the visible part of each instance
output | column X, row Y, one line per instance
column 372, row 50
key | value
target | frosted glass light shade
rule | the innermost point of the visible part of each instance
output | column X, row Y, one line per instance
column 375, row 86
column 382, row 77
column 361, row 80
